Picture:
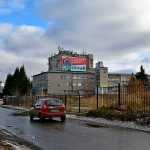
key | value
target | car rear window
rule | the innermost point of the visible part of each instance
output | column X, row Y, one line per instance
column 39, row 103
column 54, row 102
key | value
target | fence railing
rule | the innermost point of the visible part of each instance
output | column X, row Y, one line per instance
column 134, row 98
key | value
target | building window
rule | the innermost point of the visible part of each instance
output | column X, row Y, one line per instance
column 75, row 77
column 58, row 85
column 79, row 84
column 74, row 84
column 61, row 77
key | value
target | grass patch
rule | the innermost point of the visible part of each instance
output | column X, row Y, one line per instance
column 112, row 114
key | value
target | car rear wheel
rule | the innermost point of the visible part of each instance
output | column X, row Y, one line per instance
column 63, row 118
column 41, row 117
column 31, row 118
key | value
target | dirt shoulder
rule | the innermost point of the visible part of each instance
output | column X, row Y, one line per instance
column 8, row 141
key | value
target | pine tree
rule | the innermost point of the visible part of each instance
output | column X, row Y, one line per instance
column 17, row 84
column 141, row 75
column 8, row 90
column 24, row 85
column 16, row 81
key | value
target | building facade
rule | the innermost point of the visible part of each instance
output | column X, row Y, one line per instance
column 61, row 83
column 118, row 78
column 101, row 75
column 72, row 72
column 40, row 84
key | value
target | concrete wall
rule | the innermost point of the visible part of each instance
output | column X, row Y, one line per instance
column 40, row 84
column 114, row 79
column 101, row 74
column 103, row 77
column 59, row 83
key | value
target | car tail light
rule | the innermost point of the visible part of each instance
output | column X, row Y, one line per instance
column 63, row 108
column 45, row 107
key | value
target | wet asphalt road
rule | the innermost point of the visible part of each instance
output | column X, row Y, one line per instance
column 73, row 135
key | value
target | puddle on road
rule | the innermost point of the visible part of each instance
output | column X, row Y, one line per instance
column 9, row 126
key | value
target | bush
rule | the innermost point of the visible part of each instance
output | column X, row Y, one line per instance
column 102, row 112
column 112, row 114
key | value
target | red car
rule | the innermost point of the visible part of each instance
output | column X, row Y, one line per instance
column 48, row 108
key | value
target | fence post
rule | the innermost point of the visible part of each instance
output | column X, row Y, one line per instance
column 79, row 101
column 65, row 98
column 119, row 94
column 66, row 101
column 97, row 96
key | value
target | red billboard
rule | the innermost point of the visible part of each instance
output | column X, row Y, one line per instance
column 74, row 63
column 74, row 60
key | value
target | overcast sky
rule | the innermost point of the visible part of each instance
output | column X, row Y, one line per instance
column 116, row 32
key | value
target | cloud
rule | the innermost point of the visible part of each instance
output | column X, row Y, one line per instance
column 116, row 32
column 7, row 7
column 24, row 45
column 112, row 30
column 5, row 29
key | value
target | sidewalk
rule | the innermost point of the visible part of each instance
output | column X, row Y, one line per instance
column 99, row 121
column 14, row 107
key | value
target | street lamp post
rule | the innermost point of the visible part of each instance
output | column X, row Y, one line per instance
column 79, row 101
column 97, row 95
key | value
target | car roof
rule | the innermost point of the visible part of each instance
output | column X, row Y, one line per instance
column 44, row 99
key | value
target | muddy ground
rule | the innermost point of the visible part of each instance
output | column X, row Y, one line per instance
column 8, row 141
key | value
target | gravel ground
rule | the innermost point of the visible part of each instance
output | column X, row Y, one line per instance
column 9, row 141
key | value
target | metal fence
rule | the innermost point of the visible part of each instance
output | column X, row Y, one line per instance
column 20, row 101
column 134, row 98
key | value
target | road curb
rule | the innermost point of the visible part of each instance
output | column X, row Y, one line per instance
column 14, row 107
column 113, row 124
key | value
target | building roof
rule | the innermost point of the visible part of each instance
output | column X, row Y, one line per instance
column 66, row 72
column 119, row 74
column 70, row 53
column 40, row 74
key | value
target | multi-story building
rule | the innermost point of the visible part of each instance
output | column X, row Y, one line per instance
column 40, row 84
column 70, row 72
column 67, row 72
column 101, row 75
column 66, row 60
column 61, row 83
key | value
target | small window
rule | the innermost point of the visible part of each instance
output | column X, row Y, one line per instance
column 61, row 77
column 79, row 84
column 54, row 102
column 58, row 85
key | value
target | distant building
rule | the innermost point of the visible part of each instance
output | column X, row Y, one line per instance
column 40, row 84
column 66, row 60
column 115, row 78
column 101, row 75
column 72, row 72
column 61, row 83
column 67, row 72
